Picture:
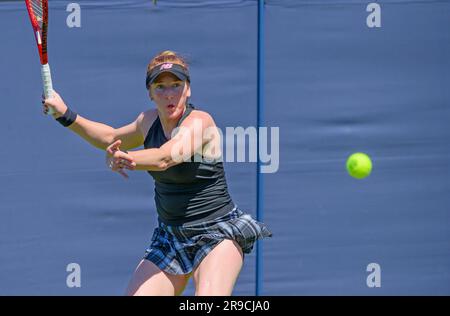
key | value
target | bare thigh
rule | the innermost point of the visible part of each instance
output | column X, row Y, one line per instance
column 219, row 270
column 149, row 280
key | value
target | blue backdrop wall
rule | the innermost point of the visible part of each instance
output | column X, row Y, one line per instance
column 333, row 86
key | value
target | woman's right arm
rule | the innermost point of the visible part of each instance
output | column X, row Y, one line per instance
column 98, row 134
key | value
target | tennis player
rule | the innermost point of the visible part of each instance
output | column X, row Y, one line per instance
column 201, row 232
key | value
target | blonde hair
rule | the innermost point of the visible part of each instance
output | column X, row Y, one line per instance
column 167, row 56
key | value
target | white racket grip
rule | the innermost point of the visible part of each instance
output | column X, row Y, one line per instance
column 47, row 81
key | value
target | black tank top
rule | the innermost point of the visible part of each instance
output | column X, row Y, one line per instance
column 189, row 192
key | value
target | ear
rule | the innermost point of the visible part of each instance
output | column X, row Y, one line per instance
column 150, row 94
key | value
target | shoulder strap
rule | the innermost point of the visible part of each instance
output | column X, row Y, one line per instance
column 189, row 108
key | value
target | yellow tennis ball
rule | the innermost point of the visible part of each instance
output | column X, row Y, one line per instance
column 359, row 165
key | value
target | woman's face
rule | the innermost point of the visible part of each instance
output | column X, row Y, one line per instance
column 170, row 94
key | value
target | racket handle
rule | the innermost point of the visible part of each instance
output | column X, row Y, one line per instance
column 47, row 81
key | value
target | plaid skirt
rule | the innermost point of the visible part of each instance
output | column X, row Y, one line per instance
column 180, row 249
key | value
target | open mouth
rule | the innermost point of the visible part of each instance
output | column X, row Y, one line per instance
column 171, row 106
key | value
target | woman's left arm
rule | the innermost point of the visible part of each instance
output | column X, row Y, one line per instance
column 190, row 139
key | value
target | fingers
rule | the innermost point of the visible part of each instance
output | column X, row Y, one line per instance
column 130, row 165
column 120, row 163
column 118, row 160
column 51, row 100
column 115, row 168
column 124, row 156
column 111, row 149
column 123, row 173
column 45, row 105
column 47, row 100
column 116, row 144
column 121, row 158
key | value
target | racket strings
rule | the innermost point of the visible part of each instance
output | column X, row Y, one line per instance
column 37, row 10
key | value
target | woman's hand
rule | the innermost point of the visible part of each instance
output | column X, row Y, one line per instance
column 56, row 103
column 117, row 160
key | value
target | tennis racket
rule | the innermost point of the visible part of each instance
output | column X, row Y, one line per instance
column 38, row 12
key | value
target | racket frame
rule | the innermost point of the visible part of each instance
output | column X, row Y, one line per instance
column 40, row 35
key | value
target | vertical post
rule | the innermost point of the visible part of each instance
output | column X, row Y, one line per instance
column 260, row 122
